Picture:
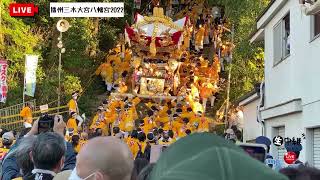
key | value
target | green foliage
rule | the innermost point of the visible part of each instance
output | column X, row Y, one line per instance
column 247, row 68
column 71, row 84
column 86, row 42
column 16, row 41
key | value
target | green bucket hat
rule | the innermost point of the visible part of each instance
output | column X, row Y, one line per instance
column 204, row 156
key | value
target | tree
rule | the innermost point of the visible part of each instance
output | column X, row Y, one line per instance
column 87, row 43
column 247, row 62
column 17, row 40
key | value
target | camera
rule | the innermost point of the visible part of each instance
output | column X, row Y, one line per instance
column 45, row 124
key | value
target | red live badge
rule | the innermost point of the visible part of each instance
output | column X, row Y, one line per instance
column 290, row 157
column 22, row 9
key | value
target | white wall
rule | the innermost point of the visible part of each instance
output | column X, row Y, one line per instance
column 252, row 128
column 293, row 128
column 278, row 79
column 298, row 76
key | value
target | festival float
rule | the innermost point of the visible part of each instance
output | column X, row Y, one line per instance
column 156, row 43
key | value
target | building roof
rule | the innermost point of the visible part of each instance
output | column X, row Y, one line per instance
column 256, row 91
column 265, row 10
column 255, row 29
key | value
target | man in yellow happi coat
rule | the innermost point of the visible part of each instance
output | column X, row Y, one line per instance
column 105, row 70
column 72, row 123
column 203, row 124
column 199, row 38
column 149, row 122
column 100, row 121
column 73, row 107
column 26, row 114
column 127, row 119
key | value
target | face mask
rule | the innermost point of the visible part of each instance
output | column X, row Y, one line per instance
column 74, row 175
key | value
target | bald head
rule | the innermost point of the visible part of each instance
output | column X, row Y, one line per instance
column 108, row 155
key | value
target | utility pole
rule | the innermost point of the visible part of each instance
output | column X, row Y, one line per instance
column 229, row 79
column 59, row 71
column 62, row 26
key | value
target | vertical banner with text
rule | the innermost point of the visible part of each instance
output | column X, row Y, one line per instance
column 3, row 80
column 30, row 74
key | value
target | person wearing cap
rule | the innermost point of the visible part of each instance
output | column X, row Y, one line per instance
column 73, row 107
column 266, row 141
column 26, row 114
column 100, row 121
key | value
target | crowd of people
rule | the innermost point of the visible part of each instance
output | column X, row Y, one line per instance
column 48, row 156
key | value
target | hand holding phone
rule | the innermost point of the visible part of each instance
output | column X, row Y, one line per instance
column 45, row 124
column 59, row 125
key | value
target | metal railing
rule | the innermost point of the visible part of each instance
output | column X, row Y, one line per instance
column 10, row 116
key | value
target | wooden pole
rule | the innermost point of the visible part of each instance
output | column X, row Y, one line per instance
column 229, row 79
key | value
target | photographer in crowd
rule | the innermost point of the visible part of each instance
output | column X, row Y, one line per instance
column 50, row 152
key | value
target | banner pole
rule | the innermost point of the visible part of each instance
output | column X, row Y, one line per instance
column 24, row 81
